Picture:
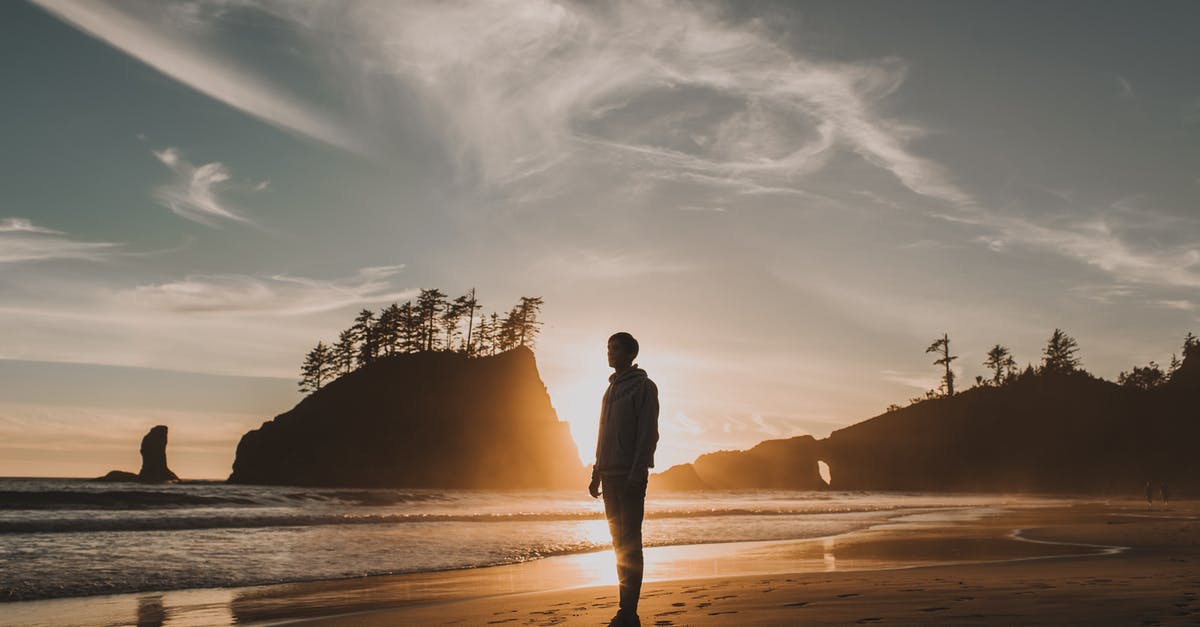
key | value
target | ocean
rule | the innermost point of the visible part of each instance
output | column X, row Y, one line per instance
column 64, row 538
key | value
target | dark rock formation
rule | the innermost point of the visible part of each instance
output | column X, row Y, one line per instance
column 789, row 464
column 1051, row 433
column 154, row 457
column 678, row 478
column 154, row 461
column 426, row 420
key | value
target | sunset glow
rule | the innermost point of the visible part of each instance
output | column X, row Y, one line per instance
column 784, row 206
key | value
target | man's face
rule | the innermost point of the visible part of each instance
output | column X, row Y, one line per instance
column 619, row 356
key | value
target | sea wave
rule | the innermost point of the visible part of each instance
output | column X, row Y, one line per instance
column 81, row 524
column 172, row 499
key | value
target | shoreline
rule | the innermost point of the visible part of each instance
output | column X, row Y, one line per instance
column 957, row 538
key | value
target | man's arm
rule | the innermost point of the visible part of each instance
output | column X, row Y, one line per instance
column 647, row 431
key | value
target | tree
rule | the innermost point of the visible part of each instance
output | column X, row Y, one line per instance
column 469, row 304
column 450, row 319
column 510, row 330
column 942, row 347
column 1175, row 365
column 1191, row 346
column 430, row 305
column 366, row 334
column 344, row 352
column 390, row 332
column 528, row 324
column 317, row 368
column 411, row 330
column 493, row 333
column 1060, row 354
column 483, row 337
column 1001, row 362
column 1143, row 377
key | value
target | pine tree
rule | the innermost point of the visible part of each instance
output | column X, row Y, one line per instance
column 389, row 330
column 430, row 305
column 1001, row 362
column 317, row 368
column 1060, row 354
column 343, row 352
column 450, row 320
column 469, row 305
column 1191, row 346
column 528, row 325
column 941, row 346
column 366, row 334
column 510, row 330
column 411, row 329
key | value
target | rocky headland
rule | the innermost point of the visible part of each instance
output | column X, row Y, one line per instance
column 423, row 420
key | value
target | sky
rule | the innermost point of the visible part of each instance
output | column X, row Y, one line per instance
column 785, row 202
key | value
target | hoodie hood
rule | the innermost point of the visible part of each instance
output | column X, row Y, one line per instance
column 633, row 373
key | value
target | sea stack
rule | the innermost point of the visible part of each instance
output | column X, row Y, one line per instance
column 154, row 461
column 423, row 420
column 154, row 457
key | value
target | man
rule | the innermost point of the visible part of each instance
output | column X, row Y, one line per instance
column 624, row 455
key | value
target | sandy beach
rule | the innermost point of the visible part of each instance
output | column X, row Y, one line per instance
column 1087, row 563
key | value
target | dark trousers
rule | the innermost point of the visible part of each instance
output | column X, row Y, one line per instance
column 624, row 507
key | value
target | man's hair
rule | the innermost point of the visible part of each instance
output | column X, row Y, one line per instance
column 626, row 340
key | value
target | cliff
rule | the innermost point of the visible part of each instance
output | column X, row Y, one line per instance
column 789, row 464
column 427, row 420
column 154, row 461
column 1041, row 433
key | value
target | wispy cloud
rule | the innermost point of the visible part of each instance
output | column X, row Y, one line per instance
column 521, row 90
column 21, row 240
column 666, row 85
column 1093, row 240
column 193, row 193
column 278, row 294
column 157, row 34
column 221, row 324
column 614, row 265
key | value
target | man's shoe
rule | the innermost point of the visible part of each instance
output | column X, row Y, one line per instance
column 625, row 619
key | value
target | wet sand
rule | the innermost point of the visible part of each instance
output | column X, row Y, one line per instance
column 1095, row 563
column 1084, row 565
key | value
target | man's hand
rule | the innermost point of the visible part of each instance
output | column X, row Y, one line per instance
column 594, row 487
column 637, row 478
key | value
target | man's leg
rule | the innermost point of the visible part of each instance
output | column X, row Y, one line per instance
column 624, row 506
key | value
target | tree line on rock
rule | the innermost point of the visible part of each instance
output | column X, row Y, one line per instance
column 432, row 323
column 1058, row 357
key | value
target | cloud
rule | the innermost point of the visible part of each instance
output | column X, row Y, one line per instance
column 616, row 265
column 279, row 294
column 1095, row 241
column 193, row 193
column 22, row 241
column 520, row 90
column 162, row 36
column 221, row 324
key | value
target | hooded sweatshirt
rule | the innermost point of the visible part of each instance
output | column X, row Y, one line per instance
column 628, row 424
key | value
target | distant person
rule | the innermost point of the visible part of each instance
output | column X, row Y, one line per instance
column 1165, row 493
column 1149, row 495
column 625, row 447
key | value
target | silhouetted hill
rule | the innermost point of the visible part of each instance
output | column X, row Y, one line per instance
column 789, row 464
column 1040, row 433
column 425, row 420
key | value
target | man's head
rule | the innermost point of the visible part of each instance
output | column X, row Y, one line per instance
column 622, row 349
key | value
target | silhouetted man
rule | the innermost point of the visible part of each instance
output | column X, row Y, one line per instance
column 624, row 454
